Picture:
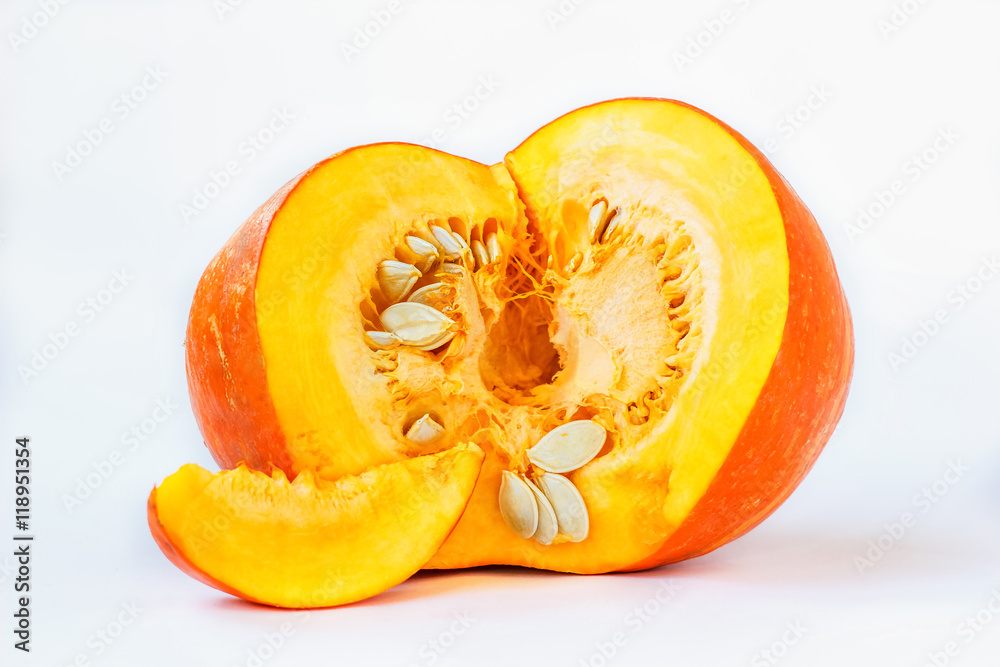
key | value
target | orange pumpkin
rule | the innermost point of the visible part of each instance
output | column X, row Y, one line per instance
column 623, row 346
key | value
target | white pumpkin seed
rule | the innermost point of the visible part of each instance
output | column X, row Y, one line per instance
column 568, row 447
column 450, row 246
column 438, row 342
column 417, row 325
column 575, row 263
column 492, row 247
column 396, row 278
column 381, row 340
column 479, row 251
column 425, row 431
column 461, row 240
column 455, row 269
column 427, row 293
column 570, row 510
column 614, row 227
column 548, row 524
column 466, row 255
column 427, row 252
column 597, row 220
column 518, row 506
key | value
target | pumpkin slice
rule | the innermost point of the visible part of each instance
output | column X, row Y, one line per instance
column 311, row 542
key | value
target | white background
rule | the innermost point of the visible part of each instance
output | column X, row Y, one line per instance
column 882, row 98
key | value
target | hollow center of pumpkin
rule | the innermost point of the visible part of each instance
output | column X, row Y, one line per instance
column 518, row 354
column 602, row 328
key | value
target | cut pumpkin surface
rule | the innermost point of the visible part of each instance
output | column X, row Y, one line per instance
column 633, row 315
column 310, row 542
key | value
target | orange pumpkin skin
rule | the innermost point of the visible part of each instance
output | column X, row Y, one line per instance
column 227, row 380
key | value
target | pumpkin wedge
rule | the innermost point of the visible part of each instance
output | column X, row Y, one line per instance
column 311, row 542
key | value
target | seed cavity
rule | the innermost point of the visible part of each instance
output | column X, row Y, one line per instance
column 425, row 431
column 518, row 506
column 570, row 510
column 396, row 279
column 418, row 325
column 567, row 447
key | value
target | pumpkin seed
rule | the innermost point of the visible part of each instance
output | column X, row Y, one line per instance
column 492, row 247
column 425, row 294
column 479, row 251
column 567, row 503
column 568, row 447
column 455, row 269
column 396, row 278
column 450, row 246
column 425, row 430
column 518, row 506
column 614, row 227
column 427, row 252
column 381, row 340
column 418, row 325
column 597, row 220
column 548, row 525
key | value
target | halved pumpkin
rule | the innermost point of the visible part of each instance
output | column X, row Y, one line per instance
column 635, row 264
